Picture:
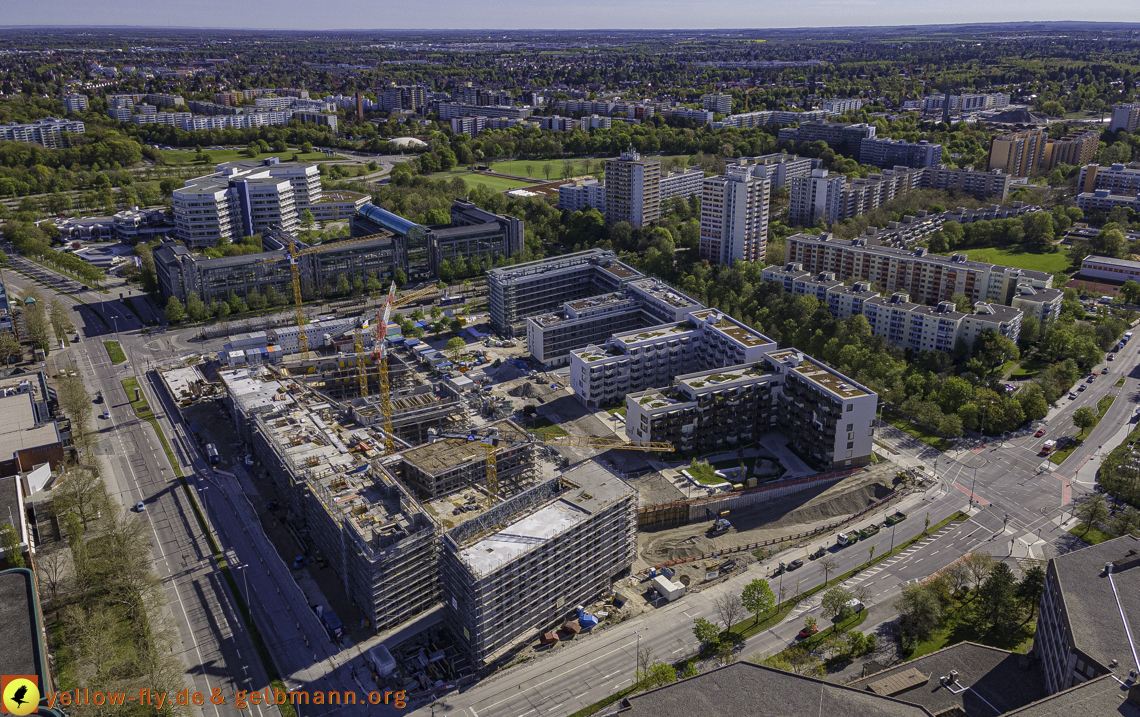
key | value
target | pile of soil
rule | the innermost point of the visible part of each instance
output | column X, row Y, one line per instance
column 525, row 390
column 671, row 548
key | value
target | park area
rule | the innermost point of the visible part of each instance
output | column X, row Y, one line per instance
column 1048, row 263
column 177, row 157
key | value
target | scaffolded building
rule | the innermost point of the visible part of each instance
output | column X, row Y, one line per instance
column 452, row 464
column 525, row 564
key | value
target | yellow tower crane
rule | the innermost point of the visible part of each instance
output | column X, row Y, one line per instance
column 293, row 256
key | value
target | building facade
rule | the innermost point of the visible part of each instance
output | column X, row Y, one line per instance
column 633, row 190
column 685, row 183
column 1018, row 154
column 1117, row 178
column 778, row 169
column 51, row 133
column 886, row 153
column 1125, row 117
column 1078, row 148
column 717, row 102
column 582, row 193
column 734, row 216
column 815, row 198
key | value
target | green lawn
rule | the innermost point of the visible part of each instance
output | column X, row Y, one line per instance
column 1058, row 457
column 1030, row 367
column 619, row 411
column 499, row 184
column 115, row 352
column 960, row 624
column 177, row 157
column 930, row 439
column 544, row 426
column 518, row 167
column 1050, row 263
column 1093, row 536
column 1119, row 382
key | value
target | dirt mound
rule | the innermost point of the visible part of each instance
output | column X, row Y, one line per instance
column 525, row 390
column 671, row 548
column 826, row 507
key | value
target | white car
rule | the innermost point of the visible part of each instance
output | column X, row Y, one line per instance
column 140, row 506
column 106, row 413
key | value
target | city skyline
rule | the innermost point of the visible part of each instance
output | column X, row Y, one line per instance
column 517, row 15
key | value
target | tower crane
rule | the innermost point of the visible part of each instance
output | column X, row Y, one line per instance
column 293, row 255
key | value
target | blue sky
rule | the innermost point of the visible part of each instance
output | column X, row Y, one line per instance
column 553, row 14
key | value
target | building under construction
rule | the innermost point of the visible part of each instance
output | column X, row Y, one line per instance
column 521, row 567
column 416, row 411
column 452, row 464
column 371, row 530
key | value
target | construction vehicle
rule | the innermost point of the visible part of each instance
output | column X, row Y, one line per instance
column 292, row 256
column 843, row 540
column 720, row 524
column 897, row 517
column 819, row 553
column 867, row 532
column 489, row 440
column 600, row 442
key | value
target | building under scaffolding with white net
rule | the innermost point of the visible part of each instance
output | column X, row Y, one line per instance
column 372, row 531
column 521, row 567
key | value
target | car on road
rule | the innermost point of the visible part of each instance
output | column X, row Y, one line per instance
column 140, row 506
column 1104, row 370
column 1112, row 357
column 1082, row 387
column 1072, row 394
column 106, row 413
column 797, row 563
column 1048, row 447
column 99, row 397
column 1040, row 432
column 1092, row 378
column 807, row 632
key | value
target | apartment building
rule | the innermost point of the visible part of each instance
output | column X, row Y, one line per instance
column 864, row 194
column 1042, row 304
column 925, row 277
column 1125, row 117
column 374, row 533
column 321, row 119
column 1117, row 178
column 522, row 567
column 717, row 102
column 538, row 287
column 700, row 117
column 684, row 183
column 734, row 216
column 1018, row 154
column 449, row 110
column 838, row 106
column 51, row 133
column 1104, row 201
column 846, row 139
column 582, row 193
column 884, row 152
column 74, row 102
column 648, row 358
column 643, row 302
column 763, row 118
column 633, row 189
column 966, row 102
column 777, row 168
column 470, row 126
column 980, row 185
column 815, row 198
column 229, row 99
column 1086, row 622
column 1078, row 148
column 401, row 97
column 448, row 465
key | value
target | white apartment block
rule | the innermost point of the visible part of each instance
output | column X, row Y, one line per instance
column 75, row 102
column 777, row 168
column 717, row 102
column 48, row 132
column 633, row 189
column 242, row 199
column 582, row 193
column 685, row 184
column 1125, row 117
column 734, row 217
column 649, row 358
column 1117, row 178
column 815, row 197
column 838, row 106
column 1103, row 200
column 1042, row 304
column 967, row 102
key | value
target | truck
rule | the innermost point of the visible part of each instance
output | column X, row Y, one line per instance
column 897, row 517
column 333, row 626
column 1049, row 446
column 868, row 531
column 212, row 453
column 843, row 540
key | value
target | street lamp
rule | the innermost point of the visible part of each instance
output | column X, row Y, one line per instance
column 973, row 484
column 245, row 581
column 637, row 657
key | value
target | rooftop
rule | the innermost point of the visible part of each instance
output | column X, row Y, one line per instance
column 720, row 378
column 22, row 654
column 990, row 681
column 18, row 428
column 828, row 379
column 663, row 292
column 731, row 328
column 1100, row 696
column 447, row 453
column 252, row 393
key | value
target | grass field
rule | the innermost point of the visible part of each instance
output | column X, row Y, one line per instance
column 114, row 351
column 1092, row 536
column 519, row 167
column 499, row 184
column 1050, row 263
column 960, row 623
column 177, row 157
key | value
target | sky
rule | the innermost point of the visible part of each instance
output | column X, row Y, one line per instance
column 552, row 14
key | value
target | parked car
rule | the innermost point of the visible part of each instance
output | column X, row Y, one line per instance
column 140, row 506
column 1104, row 370
column 106, row 413
column 1082, row 387
column 1040, row 432
column 1073, row 394
column 797, row 563
column 807, row 632
column 1112, row 357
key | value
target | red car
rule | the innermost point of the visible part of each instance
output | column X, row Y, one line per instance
column 1040, row 433
column 807, row 632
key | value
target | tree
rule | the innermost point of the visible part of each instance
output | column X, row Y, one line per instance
column 1131, row 291
column 10, row 543
column 757, row 597
column 35, row 325
column 1125, row 522
column 342, row 285
column 999, row 600
column 834, row 603
column 75, row 402
column 919, row 612
column 979, row 565
column 828, row 564
column 307, row 219
column 455, row 348
column 705, row 632
column 1093, row 511
column 456, row 325
column 306, row 148
column 195, row 309
column 175, row 314
column 400, row 278
column 659, row 674
column 1085, row 418
column 810, row 622
column 547, row 169
column 729, row 609
column 272, row 296
column 1030, row 588
column 80, row 492
column 60, row 319
column 9, row 347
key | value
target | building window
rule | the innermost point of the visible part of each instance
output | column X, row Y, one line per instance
column 850, row 406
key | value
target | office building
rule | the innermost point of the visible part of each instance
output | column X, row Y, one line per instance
column 1125, row 117
column 1118, row 178
column 1018, row 154
column 633, row 189
column 649, row 358
column 51, row 133
column 1103, row 201
column 684, row 183
column 838, row 106
column 777, row 168
column 74, row 102
column 717, row 102
column 845, row 139
column 521, row 567
column 641, row 303
column 887, row 153
column 734, row 216
column 815, row 198
column 29, row 436
column 582, row 193
column 538, row 287
column 472, row 233
column 1078, row 148
column 925, row 277
column 1087, row 617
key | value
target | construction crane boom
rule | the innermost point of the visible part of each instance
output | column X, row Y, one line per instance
column 292, row 256
column 489, row 440
column 600, row 442
column 380, row 356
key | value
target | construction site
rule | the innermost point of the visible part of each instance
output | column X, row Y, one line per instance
column 453, row 463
